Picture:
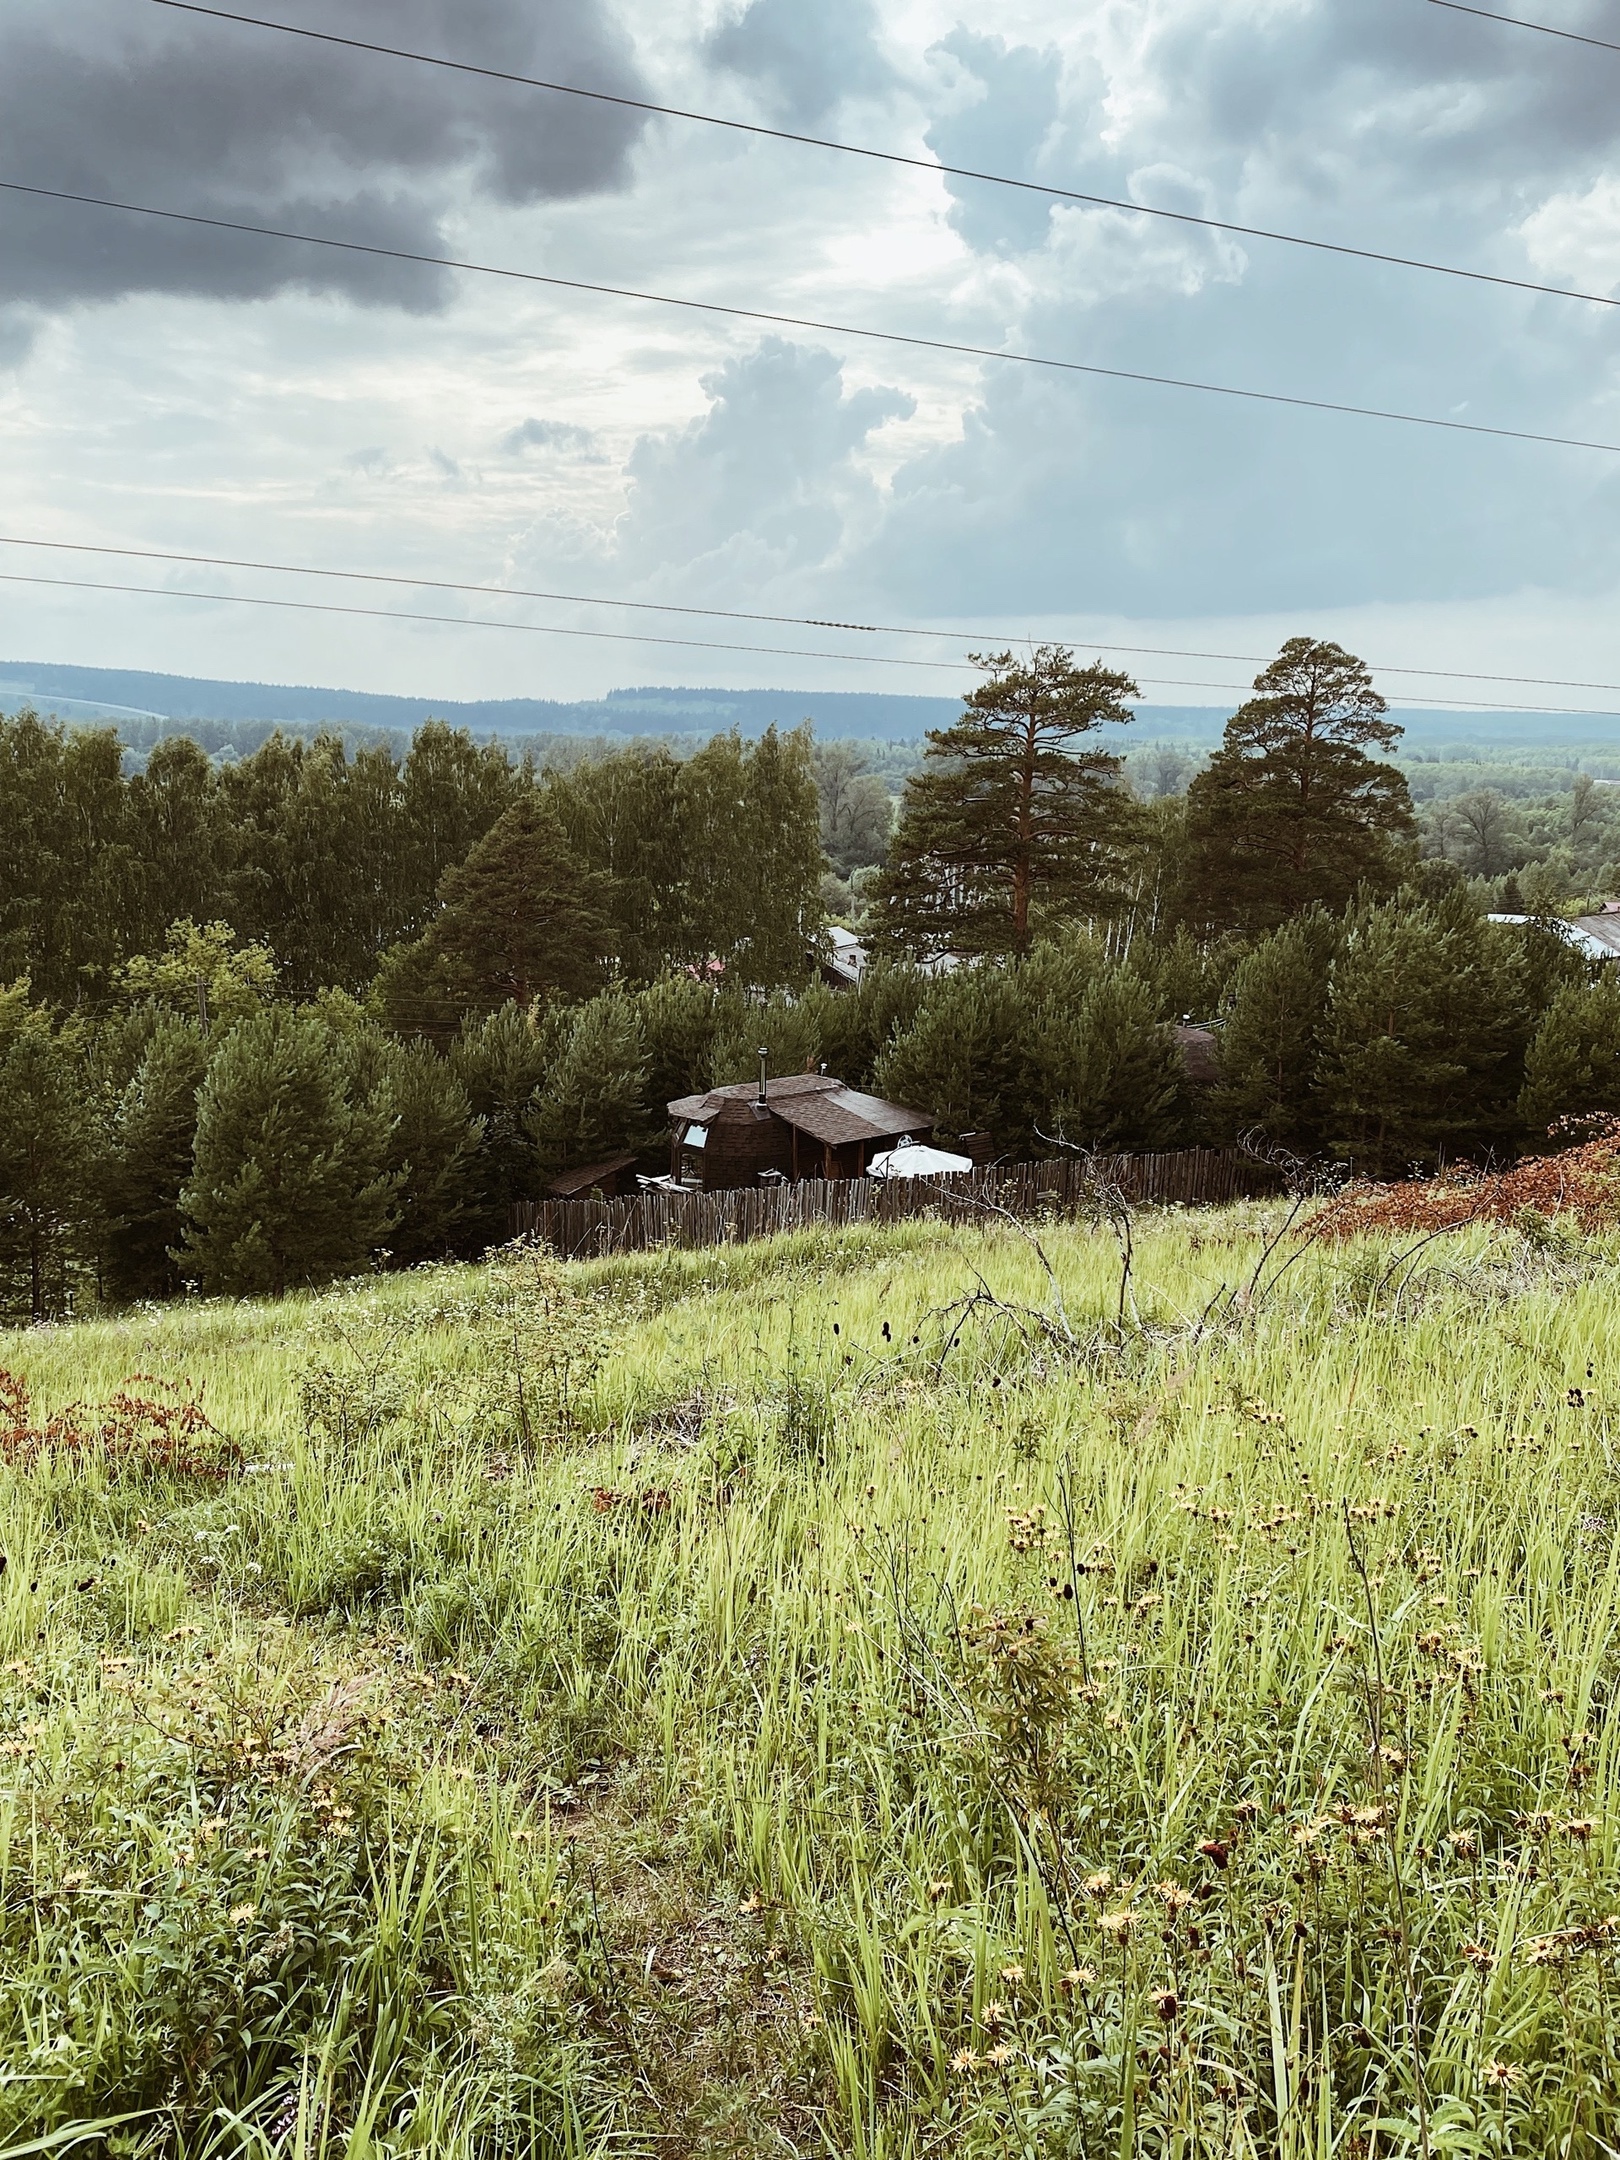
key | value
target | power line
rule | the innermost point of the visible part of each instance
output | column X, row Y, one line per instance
column 804, row 622
column 898, row 157
column 1518, row 22
column 810, row 322
column 462, row 622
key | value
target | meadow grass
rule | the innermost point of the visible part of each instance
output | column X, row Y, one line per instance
column 754, row 1701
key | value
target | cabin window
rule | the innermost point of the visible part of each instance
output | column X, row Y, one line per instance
column 697, row 1136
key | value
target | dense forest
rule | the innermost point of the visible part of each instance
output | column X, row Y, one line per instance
column 269, row 1020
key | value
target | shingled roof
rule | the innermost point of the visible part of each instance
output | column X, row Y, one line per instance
column 813, row 1103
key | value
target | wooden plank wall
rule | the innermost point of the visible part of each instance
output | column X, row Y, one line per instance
column 591, row 1229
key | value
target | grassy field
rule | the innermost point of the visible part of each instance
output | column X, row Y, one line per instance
column 854, row 1694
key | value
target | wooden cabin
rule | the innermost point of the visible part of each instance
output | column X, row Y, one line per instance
column 808, row 1126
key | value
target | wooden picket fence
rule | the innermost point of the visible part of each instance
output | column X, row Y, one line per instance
column 593, row 1228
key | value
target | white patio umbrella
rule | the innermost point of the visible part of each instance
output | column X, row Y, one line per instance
column 912, row 1159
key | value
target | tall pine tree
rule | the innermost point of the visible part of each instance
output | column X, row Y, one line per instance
column 1293, row 809
column 1014, row 822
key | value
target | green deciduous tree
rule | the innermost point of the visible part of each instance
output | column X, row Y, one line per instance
column 1292, row 809
column 288, row 1184
column 204, row 971
column 67, row 871
column 857, row 810
column 1010, row 826
column 751, row 834
column 1572, row 1068
column 45, row 1154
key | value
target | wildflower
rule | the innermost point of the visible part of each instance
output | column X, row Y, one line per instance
column 1502, row 2075
column 938, row 1890
column 1216, row 1850
column 242, row 1914
column 1167, row 2002
column 1478, row 1956
column 1580, row 1828
column 75, row 1881
column 1465, row 1844
column 964, row 2062
column 1099, row 1885
column 1117, row 1925
column 1176, row 1897
column 1077, row 1980
column 1012, row 1974
column 995, row 2016
column 1000, row 2055
column 1246, row 1810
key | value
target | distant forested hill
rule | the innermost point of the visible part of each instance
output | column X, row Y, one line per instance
column 128, row 694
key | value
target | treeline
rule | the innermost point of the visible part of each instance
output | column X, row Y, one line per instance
column 332, row 858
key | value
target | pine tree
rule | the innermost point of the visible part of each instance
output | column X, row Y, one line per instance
column 502, row 1062
column 1122, row 1084
column 781, row 1025
column 1271, row 1036
column 594, row 1102
column 679, row 1016
column 856, row 1026
column 1572, row 1068
column 1010, row 825
column 1418, row 1048
column 288, row 1185
column 1292, row 809
column 963, row 1060
column 524, row 917
column 45, row 1155
column 433, row 1140
column 149, row 1162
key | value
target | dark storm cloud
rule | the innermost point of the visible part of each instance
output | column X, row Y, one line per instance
column 120, row 98
column 806, row 59
column 1389, row 91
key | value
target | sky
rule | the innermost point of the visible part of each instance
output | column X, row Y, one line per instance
column 192, row 390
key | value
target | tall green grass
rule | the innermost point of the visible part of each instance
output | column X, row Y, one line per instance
column 750, row 1700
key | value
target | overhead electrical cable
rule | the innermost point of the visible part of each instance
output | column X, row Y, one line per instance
column 898, row 157
column 811, row 322
column 1517, row 22
column 745, row 615
column 621, row 637
column 464, row 622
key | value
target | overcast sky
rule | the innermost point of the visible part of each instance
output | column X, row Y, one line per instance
column 175, row 388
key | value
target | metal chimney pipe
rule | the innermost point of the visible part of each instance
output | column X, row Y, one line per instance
column 764, row 1082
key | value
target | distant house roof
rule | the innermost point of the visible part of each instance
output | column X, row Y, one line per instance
column 1597, row 936
column 569, row 1184
column 1602, row 930
column 813, row 1103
